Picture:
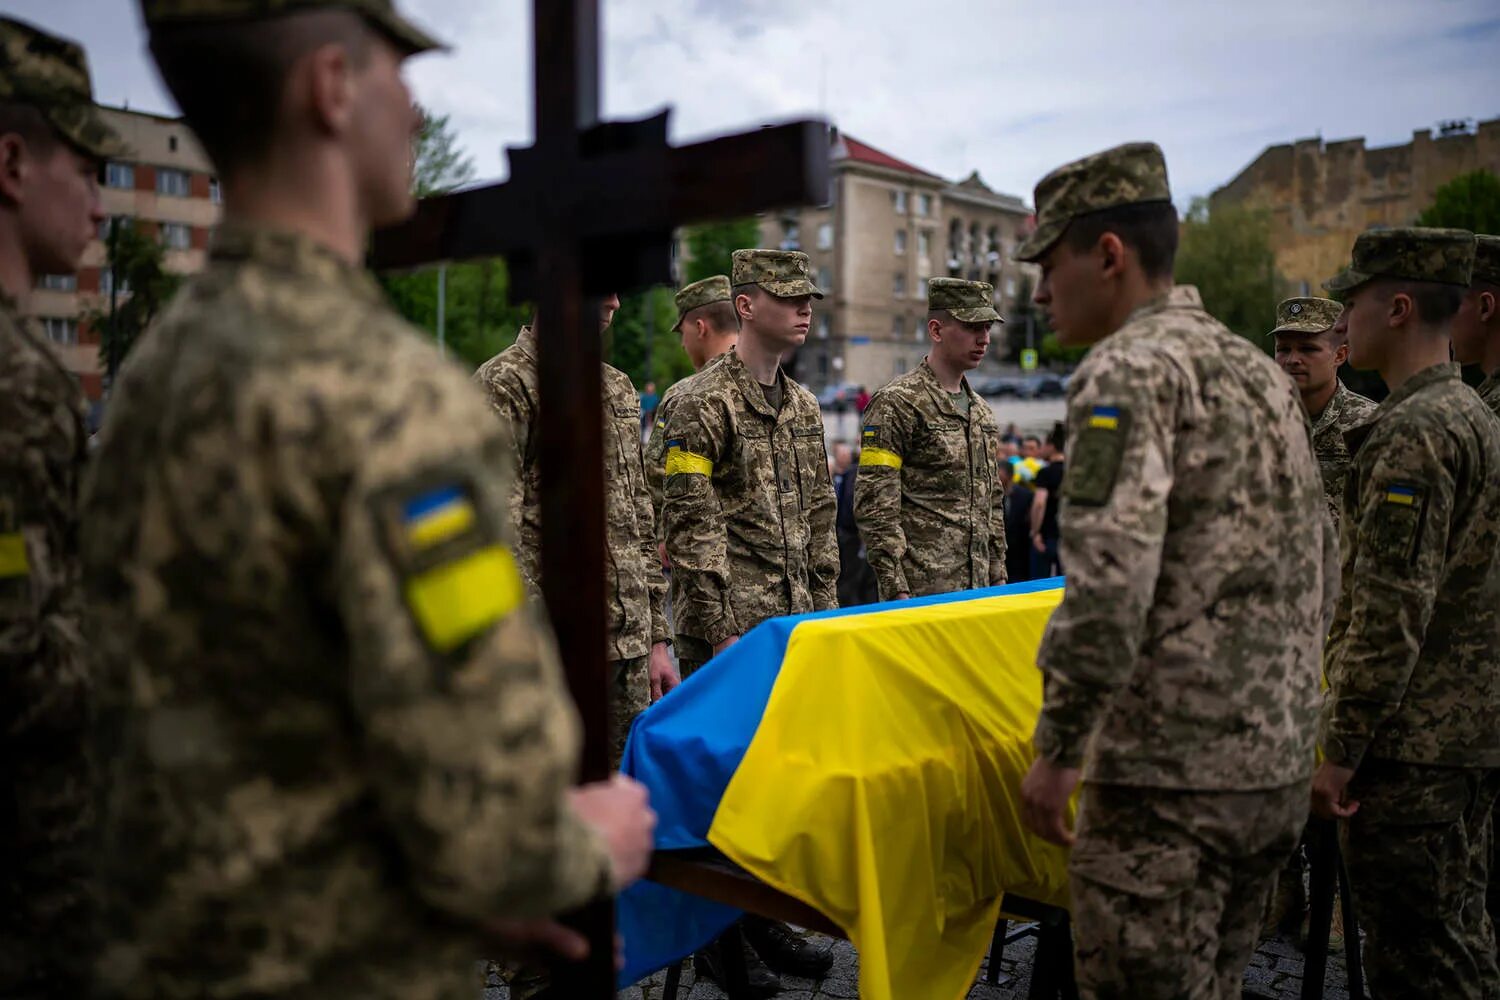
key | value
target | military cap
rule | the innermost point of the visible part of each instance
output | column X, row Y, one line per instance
column 381, row 13
column 52, row 75
column 702, row 293
column 1132, row 174
column 783, row 273
column 1445, row 256
column 1487, row 259
column 1305, row 314
column 967, row 301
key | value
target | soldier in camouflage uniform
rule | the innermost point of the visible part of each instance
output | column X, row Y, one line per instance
column 1476, row 328
column 1411, row 719
column 928, row 498
column 1310, row 352
column 1181, row 669
column 640, row 663
column 52, row 140
column 339, row 743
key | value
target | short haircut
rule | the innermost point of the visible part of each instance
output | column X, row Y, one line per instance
column 722, row 316
column 1031, row 437
column 1149, row 228
column 1436, row 301
column 1059, row 436
column 229, row 78
column 28, row 122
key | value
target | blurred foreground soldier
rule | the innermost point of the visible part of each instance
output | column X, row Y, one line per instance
column 640, row 664
column 1411, row 720
column 1476, row 328
column 330, row 776
column 1310, row 351
column 928, row 498
column 52, row 142
column 1181, row 669
column 749, row 511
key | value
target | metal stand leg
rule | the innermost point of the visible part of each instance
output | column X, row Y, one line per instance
column 1052, row 973
column 997, row 952
column 736, row 975
column 1352, row 956
column 1322, row 864
column 674, row 980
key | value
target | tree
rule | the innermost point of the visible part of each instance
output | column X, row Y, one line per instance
column 646, row 318
column 710, row 246
column 438, row 165
column 1469, row 201
column 1227, row 253
column 143, row 286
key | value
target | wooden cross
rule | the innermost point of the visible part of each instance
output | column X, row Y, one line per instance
column 589, row 209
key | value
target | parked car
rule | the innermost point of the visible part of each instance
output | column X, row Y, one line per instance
column 837, row 394
column 1042, row 387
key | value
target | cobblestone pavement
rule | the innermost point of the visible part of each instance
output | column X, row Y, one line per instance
column 1274, row 972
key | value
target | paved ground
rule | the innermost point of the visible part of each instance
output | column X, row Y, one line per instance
column 1275, row 972
column 1031, row 416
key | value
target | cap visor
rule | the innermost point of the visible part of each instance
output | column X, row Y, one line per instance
column 82, row 126
column 1040, row 241
column 1306, row 328
column 407, row 35
column 1346, row 280
column 979, row 314
column 792, row 288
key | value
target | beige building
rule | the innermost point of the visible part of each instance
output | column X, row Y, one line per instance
column 1322, row 195
column 166, row 189
column 890, row 227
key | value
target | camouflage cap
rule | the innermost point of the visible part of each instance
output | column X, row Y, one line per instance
column 1487, row 259
column 1445, row 256
column 783, row 273
column 967, row 301
column 1132, row 174
column 52, row 75
column 702, row 293
column 381, row 13
column 1305, row 314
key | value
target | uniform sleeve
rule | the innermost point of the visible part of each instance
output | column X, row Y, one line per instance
column 884, row 439
column 1398, row 528
column 469, row 732
column 517, row 417
column 998, row 552
column 823, row 538
column 693, row 525
column 656, row 583
column 1113, row 521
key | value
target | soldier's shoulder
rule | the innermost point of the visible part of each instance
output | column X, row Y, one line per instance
column 617, row 385
column 802, row 397
column 1357, row 408
column 903, row 388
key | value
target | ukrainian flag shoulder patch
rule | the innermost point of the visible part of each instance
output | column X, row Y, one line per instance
column 1105, row 417
column 1406, row 496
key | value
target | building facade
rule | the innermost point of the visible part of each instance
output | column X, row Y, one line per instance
column 1321, row 195
column 167, row 190
column 891, row 226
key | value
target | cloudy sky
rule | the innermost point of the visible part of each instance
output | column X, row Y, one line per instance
column 1009, row 89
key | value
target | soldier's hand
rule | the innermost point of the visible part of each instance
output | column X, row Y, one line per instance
column 663, row 674
column 541, row 934
column 1044, row 800
column 1038, row 544
column 905, row 595
column 1330, row 792
column 661, row 551
column 720, row 647
column 621, row 813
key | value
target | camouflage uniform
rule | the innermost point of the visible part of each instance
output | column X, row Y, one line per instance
column 1487, row 268
column 636, row 585
column 328, row 769
column 1181, row 669
column 748, row 508
column 928, row 498
column 1413, row 703
column 47, row 902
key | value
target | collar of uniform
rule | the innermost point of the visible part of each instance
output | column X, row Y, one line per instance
column 526, row 342
column 750, row 388
column 1445, row 372
column 942, row 396
column 1180, row 297
column 1334, row 406
column 293, row 252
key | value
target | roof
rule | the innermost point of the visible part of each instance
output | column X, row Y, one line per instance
column 864, row 153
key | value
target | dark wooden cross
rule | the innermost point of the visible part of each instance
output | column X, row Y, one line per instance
column 589, row 209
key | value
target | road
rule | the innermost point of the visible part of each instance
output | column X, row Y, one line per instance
column 1031, row 416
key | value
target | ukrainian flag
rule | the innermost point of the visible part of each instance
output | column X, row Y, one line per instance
column 438, row 515
column 867, row 762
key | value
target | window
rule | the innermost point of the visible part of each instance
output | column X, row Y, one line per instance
column 60, row 330
column 172, row 143
column 215, row 193
column 119, row 175
column 58, row 282
column 898, row 198
column 123, row 221
column 901, row 241
column 898, row 324
column 921, row 332
column 899, row 285
column 924, row 243
column 791, row 236
column 825, row 326
column 107, row 281
column 924, row 204
column 176, row 236
column 172, row 182
column 1010, row 288
column 825, row 278
column 921, row 288
column 825, row 235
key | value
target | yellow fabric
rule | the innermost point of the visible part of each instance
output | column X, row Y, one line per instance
column 13, row 556
column 679, row 461
column 456, row 601
column 879, row 456
column 883, row 785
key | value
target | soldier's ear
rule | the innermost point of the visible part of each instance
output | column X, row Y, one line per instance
column 1402, row 309
column 13, row 166
column 1111, row 253
column 1489, row 307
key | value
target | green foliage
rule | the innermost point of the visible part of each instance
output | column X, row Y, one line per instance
column 1051, row 349
column 1227, row 253
column 1470, row 201
column 645, row 318
column 144, row 288
column 438, row 165
column 709, row 246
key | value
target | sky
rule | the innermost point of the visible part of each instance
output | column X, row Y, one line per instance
column 1011, row 90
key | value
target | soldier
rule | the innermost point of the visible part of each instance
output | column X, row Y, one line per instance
column 748, row 509
column 339, row 742
column 1411, row 720
column 1310, row 351
column 640, row 663
column 1476, row 328
column 52, row 142
column 928, row 498
column 1181, row 669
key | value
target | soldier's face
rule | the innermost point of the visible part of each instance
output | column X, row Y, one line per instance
column 1310, row 360
column 1363, row 322
column 384, row 125
column 1479, row 311
column 1071, row 291
column 962, row 345
column 785, row 321
column 608, row 306
column 57, row 197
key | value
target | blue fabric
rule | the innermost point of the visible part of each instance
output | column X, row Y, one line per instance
column 685, row 749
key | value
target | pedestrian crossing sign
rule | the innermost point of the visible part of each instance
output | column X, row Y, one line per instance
column 1028, row 359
